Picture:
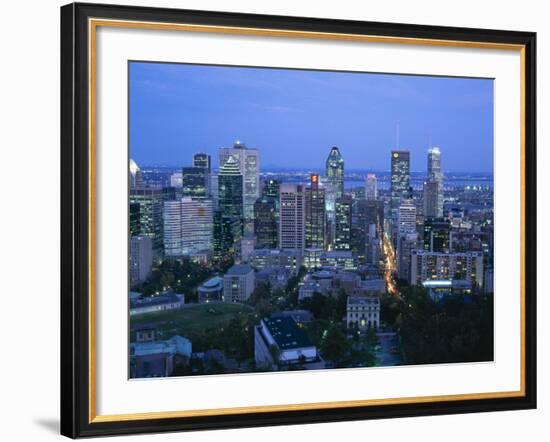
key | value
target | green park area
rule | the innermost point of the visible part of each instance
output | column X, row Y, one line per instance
column 207, row 326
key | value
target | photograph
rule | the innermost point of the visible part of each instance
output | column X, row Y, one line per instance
column 284, row 219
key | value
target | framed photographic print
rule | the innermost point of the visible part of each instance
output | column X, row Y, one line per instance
column 275, row 220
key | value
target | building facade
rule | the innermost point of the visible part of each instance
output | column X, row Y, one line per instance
column 248, row 160
column 230, row 188
column 335, row 171
column 435, row 175
column 315, row 218
column 266, row 229
column 188, row 227
column 292, row 217
column 400, row 179
column 466, row 266
column 194, row 182
column 363, row 312
column 279, row 341
column 238, row 283
column 141, row 258
column 371, row 187
column 342, row 226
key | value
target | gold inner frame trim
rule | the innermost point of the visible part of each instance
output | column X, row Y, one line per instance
column 93, row 24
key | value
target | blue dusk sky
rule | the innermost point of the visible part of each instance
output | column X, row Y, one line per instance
column 294, row 116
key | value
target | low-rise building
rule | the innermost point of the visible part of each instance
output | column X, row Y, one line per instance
column 300, row 316
column 363, row 312
column 312, row 258
column 238, row 283
column 467, row 266
column 156, row 303
column 289, row 259
column 280, row 342
column 211, row 290
column 158, row 358
column 438, row 289
column 339, row 259
column 276, row 277
column 316, row 282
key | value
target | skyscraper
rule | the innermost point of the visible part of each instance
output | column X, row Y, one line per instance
column 146, row 213
column 204, row 161
column 342, row 237
column 437, row 235
column 371, row 187
column 407, row 237
column 406, row 219
column 315, row 214
column 271, row 188
column 400, row 172
column 230, row 188
column 136, row 177
column 227, row 234
column 435, row 175
column 141, row 258
column 430, row 198
column 194, row 182
column 367, row 222
column 407, row 243
column 188, row 226
column 335, row 171
column 291, row 216
column 265, row 223
column 248, row 160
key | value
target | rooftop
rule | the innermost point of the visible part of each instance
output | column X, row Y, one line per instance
column 274, row 252
column 240, row 269
column 213, row 282
column 167, row 298
column 363, row 300
column 286, row 333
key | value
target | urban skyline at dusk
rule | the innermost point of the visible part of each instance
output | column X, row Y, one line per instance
column 178, row 108
column 237, row 267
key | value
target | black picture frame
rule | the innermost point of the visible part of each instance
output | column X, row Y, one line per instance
column 75, row 220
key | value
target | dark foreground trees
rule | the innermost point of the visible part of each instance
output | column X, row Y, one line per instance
column 454, row 329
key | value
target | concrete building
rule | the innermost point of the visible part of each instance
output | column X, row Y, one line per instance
column 339, row 259
column 211, row 290
column 363, row 312
column 188, row 226
column 158, row 358
column 246, row 248
column 238, row 283
column 276, row 277
column 158, row 303
column 400, row 179
column 312, row 258
column 466, row 266
column 406, row 244
column 141, row 258
column 292, row 216
column 288, row 259
column 280, row 342
column 371, row 187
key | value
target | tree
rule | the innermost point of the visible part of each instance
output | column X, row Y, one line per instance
column 275, row 352
column 334, row 345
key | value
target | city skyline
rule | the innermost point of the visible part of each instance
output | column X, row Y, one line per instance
column 235, row 268
column 169, row 121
